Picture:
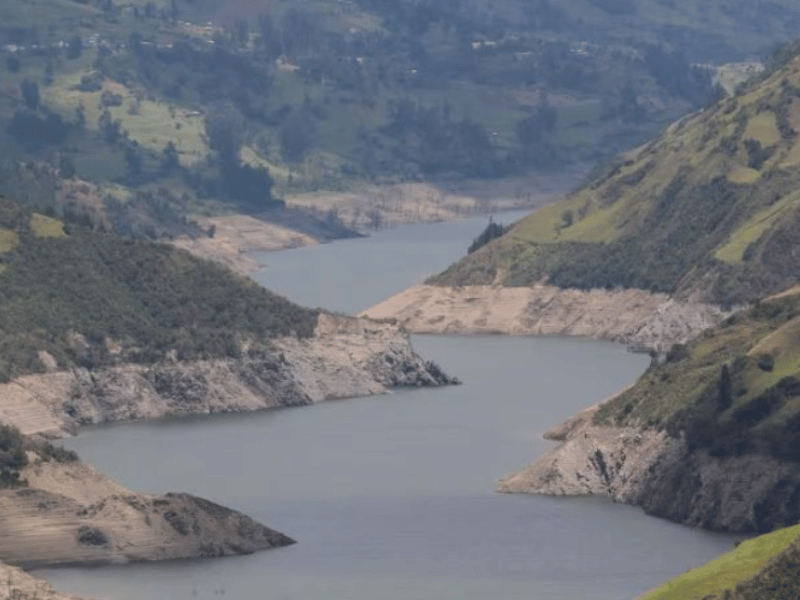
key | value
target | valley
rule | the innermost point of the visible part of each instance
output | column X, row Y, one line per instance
column 626, row 172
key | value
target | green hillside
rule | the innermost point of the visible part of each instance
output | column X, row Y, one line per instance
column 211, row 105
column 709, row 210
column 94, row 299
column 735, row 388
column 764, row 568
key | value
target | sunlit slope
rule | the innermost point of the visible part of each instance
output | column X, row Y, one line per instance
column 766, row 568
column 711, row 210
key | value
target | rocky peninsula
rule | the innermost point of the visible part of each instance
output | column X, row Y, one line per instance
column 642, row 320
column 67, row 513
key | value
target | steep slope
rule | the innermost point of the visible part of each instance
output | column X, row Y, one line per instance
column 765, row 568
column 708, row 436
column 709, row 211
column 96, row 328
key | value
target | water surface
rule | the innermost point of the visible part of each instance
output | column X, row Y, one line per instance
column 390, row 497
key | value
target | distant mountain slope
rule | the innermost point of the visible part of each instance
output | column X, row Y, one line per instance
column 709, row 211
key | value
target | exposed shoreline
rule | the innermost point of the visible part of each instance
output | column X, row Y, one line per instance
column 639, row 319
column 90, row 519
column 370, row 209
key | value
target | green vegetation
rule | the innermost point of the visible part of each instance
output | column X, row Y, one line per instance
column 94, row 299
column 761, row 568
column 329, row 94
column 733, row 391
column 709, row 210
column 14, row 455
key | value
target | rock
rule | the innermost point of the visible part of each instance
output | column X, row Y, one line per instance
column 648, row 468
column 345, row 358
column 71, row 514
column 18, row 585
column 639, row 319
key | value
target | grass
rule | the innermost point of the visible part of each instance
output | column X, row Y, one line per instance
column 37, row 13
column 792, row 157
column 764, row 128
column 664, row 391
column 46, row 227
column 153, row 124
column 8, row 240
column 723, row 573
column 675, row 214
column 744, row 176
column 733, row 250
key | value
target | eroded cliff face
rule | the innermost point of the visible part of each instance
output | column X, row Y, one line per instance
column 637, row 318
column 19, row 585
column 71, row 514
column 648, row 468
column 345, row 358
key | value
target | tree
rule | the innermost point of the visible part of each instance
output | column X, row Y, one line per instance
column 725, row 388
column 133, row 159
column 74, row 47
column 492, row 232
column 169, row 158
column 30, row 93
column 13, row 64
column 225, row 129
column 298, row 29
column 297, row 137
column 110, row 128
column 66, row 167
column 268, row 40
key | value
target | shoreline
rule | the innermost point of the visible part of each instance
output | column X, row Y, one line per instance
column 641, row 320
column 370, row 209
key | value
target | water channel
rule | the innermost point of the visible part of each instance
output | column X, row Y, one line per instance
column 390, row 497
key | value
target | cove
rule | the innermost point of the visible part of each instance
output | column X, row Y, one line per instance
column 391, row 497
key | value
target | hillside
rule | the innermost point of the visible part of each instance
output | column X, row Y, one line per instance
column 71, row 296
column 96, row 328
column 759, row 569
column 166, row 110
column 709, row 211
column 708, row 436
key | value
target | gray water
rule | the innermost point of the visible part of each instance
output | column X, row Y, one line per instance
column 353, row 275
column 390, row 497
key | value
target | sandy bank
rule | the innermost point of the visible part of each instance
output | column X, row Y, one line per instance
column 70, row 514
column 637, row 318
column 236, row 235
column 378, row 207
column 371, row 208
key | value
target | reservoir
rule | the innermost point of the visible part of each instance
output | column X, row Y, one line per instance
column 390, row 497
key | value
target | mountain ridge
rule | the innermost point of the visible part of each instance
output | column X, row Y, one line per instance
column 706, row 212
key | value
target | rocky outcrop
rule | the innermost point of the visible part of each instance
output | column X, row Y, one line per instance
column 346, row 357
column 648, row 468
column 16, row 584
column 638, row 318
column 70, row 514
